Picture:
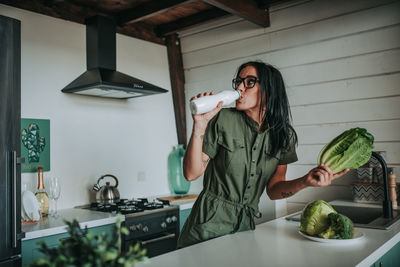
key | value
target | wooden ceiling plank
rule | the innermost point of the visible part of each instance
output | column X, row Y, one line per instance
column 147, row 10
column 192, row 20
column 141, row 31
column 76, row 13
column 57, row 9
column 248, row 10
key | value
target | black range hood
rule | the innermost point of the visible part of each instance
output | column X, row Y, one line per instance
column 101, row 78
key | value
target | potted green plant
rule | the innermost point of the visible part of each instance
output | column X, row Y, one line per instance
column 83, row 248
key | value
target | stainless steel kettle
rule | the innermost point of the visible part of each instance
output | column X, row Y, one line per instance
column 106, row 193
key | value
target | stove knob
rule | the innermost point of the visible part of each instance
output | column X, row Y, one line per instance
column 174, row 219
column 168, row 220
column 132, row 228
column 139, row 226
column 145, row 229
column 163, row 225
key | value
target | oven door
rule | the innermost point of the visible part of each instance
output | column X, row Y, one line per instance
column 159, row 244
column 157, row 232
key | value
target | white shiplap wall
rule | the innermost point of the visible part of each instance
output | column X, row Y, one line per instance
column 341, row 64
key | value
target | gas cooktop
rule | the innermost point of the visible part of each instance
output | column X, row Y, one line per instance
column 128, row 206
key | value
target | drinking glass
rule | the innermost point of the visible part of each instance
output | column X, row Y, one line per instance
column 54, row 193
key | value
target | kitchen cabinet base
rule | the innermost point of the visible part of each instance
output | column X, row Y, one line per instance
column 30, row 248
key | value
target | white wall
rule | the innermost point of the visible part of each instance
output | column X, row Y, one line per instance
column 341, row 64
column 93, row 136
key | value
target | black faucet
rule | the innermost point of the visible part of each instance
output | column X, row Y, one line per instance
column 387, row 203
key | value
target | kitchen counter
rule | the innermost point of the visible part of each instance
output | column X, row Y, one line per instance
column 278, row 243
column 356, row 204
column 52, row 226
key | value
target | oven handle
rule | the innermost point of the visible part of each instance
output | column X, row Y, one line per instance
column 143, row 243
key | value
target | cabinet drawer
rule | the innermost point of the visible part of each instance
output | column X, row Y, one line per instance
column 30, row 248
column 183, row 215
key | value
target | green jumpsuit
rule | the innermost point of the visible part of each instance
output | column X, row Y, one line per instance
column 237, row 174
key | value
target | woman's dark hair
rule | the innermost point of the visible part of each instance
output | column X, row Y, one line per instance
column 277, row 117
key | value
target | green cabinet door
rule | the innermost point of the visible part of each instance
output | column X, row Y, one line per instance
column 30, row 248
column 390, row 259
column 183, row 215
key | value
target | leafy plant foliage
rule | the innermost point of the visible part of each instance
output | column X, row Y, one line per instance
column 85, row 249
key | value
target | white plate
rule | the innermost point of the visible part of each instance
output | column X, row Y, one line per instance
column 31, row 205
column 358, row 235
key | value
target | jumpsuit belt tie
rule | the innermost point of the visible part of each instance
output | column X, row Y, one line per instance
column 249, row 211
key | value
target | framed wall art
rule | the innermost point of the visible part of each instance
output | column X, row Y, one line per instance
column 35, row 144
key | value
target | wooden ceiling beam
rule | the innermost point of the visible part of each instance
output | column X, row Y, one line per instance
column 192, row 20
column 177, row 77
column 148, row 9
column 248, row 10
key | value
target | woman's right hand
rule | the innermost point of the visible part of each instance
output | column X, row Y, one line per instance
column 322, row 176
column 201, row 120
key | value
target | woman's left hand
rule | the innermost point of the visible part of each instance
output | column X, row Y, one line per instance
column 322, row 176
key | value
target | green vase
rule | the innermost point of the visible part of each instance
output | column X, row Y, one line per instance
column 176, row 180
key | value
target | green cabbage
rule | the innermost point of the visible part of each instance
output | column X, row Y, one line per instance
column 351, row 149
column 314, row 218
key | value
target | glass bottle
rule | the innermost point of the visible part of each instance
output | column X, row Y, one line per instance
column 41, row 194
column 206, row 103
column 177, row 181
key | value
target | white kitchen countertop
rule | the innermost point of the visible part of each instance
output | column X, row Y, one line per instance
column 52, row 226
column 86, row 217
column 278, row 243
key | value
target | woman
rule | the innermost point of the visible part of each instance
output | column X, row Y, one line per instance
column 241, row 152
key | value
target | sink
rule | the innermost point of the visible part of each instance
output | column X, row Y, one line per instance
column 366, row 217
column 359, row 215
column 363, row 217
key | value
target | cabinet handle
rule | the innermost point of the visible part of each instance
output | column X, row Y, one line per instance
column 14, row 198
column 14, row 235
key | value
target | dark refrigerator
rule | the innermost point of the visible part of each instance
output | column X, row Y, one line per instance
column 10, row 150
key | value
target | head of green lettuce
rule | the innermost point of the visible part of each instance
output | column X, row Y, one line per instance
column 349, row 150
column 314, row 218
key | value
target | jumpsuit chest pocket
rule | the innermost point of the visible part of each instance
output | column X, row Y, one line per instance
column 271, row 162
column 231, row 153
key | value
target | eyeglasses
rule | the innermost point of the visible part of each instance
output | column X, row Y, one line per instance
column 248, row 82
